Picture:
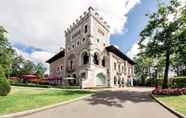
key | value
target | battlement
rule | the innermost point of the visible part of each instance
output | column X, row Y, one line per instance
column 91, row 11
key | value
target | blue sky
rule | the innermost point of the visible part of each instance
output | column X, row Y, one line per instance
column 27, row 49
column 135, row 24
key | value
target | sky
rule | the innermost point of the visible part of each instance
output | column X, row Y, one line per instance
column 36, row 27
column 135, row 24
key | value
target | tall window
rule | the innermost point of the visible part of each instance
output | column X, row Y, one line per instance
column 115, row 80
column 103, row 62
column 96, row 61
column 86, row 28
column 119, row 67
column 85, row 58
column 71, row 64
column 114, row 65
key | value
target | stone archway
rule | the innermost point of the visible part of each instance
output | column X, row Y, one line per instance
column 100, row 80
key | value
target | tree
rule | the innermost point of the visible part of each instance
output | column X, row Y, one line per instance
column 179, row 61
column 28, row 67
column 21, row 66
column 17, row 65
column 142, row 68
column 162, row 35
column 40, row 70
column 6, row 52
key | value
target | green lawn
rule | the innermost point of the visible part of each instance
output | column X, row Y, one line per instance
column 176, row 102
column 25, row 98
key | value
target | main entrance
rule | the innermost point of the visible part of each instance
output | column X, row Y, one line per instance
column 100, row 80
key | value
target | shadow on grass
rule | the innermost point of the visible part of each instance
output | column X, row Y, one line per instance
column 117, row 98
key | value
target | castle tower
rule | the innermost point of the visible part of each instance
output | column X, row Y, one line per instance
column 85, row 54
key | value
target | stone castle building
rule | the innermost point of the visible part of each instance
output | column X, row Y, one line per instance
column 88, row 57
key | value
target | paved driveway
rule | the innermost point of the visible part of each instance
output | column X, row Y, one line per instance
column 120, row 103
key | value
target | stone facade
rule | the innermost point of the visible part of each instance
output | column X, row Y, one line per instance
column 89, row 58
column 56, row 65
column 122, row 71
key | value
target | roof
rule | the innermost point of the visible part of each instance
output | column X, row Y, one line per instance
column 57, row 56
column 120, row 54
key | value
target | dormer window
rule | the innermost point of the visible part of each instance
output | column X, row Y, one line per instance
column 86, row 29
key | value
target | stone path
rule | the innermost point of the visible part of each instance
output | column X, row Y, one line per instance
column 120, row 103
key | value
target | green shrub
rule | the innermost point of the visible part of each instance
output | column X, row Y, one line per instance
column 4, row 84
column 179, row 82
column 30, row 85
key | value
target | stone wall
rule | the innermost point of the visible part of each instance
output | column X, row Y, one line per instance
column 57, row 67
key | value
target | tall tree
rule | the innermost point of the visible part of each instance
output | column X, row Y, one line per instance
column 162, row 35
column 142, row 68
column 6, row 52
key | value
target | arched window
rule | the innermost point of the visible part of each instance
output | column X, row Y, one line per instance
column 96, row 61
column 85, row 58
column 86, row 29
column 103, row 62
column 115, row 80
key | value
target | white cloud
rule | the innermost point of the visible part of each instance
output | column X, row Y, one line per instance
column 133, row 51
column 41, row 23
column 116, row 46
column 36, row 56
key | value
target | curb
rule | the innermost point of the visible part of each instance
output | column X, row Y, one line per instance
column 178, row 114
column 28, row 112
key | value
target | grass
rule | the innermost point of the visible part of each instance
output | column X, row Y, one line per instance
column 176, row 102
column 25, row 98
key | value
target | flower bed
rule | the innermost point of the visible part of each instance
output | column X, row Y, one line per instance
column 169, row 91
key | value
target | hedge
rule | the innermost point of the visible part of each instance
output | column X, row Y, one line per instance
column 179, row 82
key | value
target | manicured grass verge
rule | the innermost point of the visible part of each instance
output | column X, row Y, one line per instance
column 176, row 102
column 26, row 98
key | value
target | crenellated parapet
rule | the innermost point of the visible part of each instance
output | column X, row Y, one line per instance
column 91, row 12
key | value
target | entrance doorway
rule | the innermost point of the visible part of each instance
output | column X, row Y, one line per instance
column 100, row 80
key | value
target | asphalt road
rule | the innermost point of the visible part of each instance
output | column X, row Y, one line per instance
column 120, row 103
